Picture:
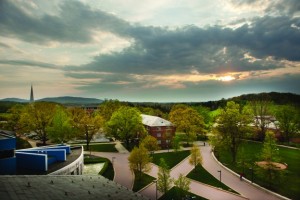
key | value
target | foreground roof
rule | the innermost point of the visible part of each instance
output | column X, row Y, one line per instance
column 150, row 120
column 62, row 187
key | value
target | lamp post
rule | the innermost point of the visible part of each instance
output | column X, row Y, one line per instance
column 220, row 175
column 251, row 174
column 155, row 181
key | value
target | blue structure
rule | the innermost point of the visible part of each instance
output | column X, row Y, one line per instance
column 7, row 152
column 41, row 157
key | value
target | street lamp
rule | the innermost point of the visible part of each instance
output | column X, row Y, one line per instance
column 220, row 175
column 155, row 181
column 251, row 174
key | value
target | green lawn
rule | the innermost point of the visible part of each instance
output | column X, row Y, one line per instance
column 177, row 194
column 286, row 186
column 201, row 175
column 101, row 147
column 142, row 182
column 171, row 158
column 107, row 171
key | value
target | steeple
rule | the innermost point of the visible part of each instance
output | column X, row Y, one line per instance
column 31, row 95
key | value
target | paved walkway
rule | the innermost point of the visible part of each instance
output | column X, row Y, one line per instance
column 195, row 187
column 231, row 180
column 124, row 176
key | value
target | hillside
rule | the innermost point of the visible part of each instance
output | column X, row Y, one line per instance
column 72, row 100
column 15, row 100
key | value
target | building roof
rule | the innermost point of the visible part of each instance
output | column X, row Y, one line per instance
column 62, row 187
column 150, row 120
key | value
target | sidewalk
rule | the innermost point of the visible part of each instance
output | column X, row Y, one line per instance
column 195, row 187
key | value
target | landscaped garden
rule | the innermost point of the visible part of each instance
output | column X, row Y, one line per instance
column 177, row 194
column 201, row 175
column 141, row 182
column 107, row 170
column 171, row 158
column 288, row 181
column 101, row 147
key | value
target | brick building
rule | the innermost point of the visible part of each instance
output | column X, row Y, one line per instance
column 159, row 128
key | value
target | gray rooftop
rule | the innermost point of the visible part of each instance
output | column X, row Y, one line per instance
column 150, row 120
column 62, row 187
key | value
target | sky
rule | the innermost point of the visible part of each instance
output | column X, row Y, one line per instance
column 153, row 51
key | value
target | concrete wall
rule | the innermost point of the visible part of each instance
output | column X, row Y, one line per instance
column 74, row 168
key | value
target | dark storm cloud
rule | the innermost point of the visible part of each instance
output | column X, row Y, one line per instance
column 157, row 50
column 287, row 7
column 28, row 63
column 162, row 51
column 73, row 24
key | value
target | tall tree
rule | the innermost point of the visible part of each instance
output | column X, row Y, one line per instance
column 61, row 129
column 139, row 160
column 87, row 124
column 261, row 110
column 176, row 143
column 233, row 122
column 196, row 157
column 125, row 124
column 183, row 184
column 187, row 120
column 37, row 117
column 270, row 154
column 289, row 119
column 13, row 122
column 108, row 107
column 150, row 143
column 164, row 181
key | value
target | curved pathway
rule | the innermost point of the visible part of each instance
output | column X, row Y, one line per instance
column 123, row 174
column 244, row 188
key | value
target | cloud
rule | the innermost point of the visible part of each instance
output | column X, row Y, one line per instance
column 284, row 7
column 74, row 23
column 29, row 63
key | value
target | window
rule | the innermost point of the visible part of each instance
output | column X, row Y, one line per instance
column 158, row 141
column 158, row 134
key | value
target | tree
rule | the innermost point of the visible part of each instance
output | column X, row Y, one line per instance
column 233, row 122
column 164, row 181
column 125, row 124
column 261, row 109
column 187, row 120
column 288, row 117
column 183, row 184
column 139, row 160
column 87, row 124
column 13, row 122
column 196, row 157
column 270, row 154
column 108, row 107
column 60, row 129
column 176, row 143
column 150, row 143
column 37, row 117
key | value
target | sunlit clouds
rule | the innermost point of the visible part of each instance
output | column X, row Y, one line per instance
column 149, row 50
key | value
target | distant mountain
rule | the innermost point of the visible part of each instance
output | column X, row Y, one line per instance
column 15, row 100
column 72, row 100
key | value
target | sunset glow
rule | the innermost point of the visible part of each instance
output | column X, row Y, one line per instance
column 226, row 78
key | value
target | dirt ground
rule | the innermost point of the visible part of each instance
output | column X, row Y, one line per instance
column 278, row 166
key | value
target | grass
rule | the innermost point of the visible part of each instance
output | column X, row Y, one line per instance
column 176, row 194
column 107, row 171
column 201, row 175
column 251, row 152
column 101, row 147
column 171, row 158
column 140, row 183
